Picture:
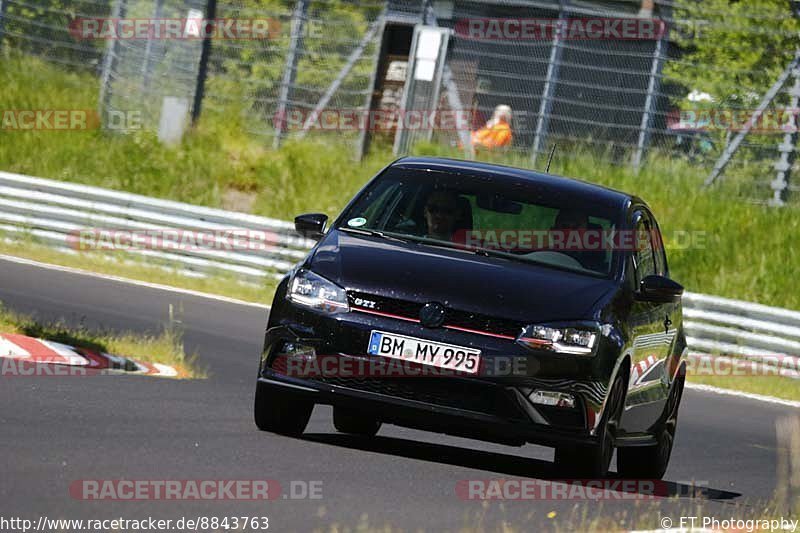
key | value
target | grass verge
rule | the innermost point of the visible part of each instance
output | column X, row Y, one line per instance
column 775, row 386
column 165, row 348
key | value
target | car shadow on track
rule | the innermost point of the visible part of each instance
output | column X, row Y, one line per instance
column 501, row 463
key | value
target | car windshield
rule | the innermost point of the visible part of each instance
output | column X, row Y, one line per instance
column 506, row 217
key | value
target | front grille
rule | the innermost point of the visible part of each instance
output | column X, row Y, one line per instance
column 470, row 396
column 453, row 317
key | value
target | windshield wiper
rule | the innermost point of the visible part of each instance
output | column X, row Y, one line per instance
column 470, row 249
column 375, row 233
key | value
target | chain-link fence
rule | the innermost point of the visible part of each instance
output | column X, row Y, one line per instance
column 711, row 82
column 42, row 28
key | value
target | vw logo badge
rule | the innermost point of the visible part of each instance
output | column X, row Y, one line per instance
column 432, row 315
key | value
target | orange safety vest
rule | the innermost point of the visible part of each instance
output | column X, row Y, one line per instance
column 497, row 136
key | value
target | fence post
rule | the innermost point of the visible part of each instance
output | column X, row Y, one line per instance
column 355, row 55
column 788, row 148
column 770, row 95
column 109, row 63
column 363, row 136
column 202, row 71
column 290, row 69
column 3, row 6
column 549, row 89
column 788, row 472
column 651, row 100
column 148, row 50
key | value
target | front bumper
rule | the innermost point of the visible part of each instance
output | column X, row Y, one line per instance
column 428, row 417
column 487, row 406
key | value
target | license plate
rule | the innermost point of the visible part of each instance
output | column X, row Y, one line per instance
column 425, row 352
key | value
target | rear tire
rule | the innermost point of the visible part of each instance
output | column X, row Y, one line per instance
column 355, row 423
column 651, row 462
column 281, row 411
column 593, row 460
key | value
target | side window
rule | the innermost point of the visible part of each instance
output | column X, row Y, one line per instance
column 658, row 250
column 645, row 260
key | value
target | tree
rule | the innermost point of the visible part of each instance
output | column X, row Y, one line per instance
column 733, row 50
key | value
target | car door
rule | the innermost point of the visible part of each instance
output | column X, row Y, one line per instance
column 651, row 330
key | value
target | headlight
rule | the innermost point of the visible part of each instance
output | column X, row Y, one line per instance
column 576, row 340
column 314, row 291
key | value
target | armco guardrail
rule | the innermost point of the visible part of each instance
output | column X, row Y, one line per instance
column 743, row 330
column 53, row 212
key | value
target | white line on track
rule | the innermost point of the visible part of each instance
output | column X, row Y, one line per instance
column 129, row 281
column 748, row 395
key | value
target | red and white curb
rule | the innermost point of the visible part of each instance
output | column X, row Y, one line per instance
column 31, row 352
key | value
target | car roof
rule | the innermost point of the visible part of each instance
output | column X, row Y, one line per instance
column 564, row 185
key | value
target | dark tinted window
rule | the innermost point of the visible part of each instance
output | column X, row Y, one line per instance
column 645, row 260
column 511, row 217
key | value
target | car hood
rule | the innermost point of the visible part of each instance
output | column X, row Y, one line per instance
column 461, row 280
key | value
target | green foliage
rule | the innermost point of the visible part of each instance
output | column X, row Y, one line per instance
column 245, row 76
column 732, row 48
column 42, row 28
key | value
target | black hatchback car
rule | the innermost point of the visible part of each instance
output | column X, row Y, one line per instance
column 486, row 302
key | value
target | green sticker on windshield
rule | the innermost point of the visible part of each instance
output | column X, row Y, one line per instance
column 356, row 222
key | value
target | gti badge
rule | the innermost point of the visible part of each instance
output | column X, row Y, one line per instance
column 431, row 315
column 361, row 302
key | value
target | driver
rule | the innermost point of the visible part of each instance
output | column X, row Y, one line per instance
column 442, row 211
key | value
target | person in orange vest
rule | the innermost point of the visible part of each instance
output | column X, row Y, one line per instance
column 496, row 133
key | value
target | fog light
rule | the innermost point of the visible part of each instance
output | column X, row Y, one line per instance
column 552, row 398
column 296, row 351
column 293, row 359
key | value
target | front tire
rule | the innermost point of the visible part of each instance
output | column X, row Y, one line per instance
column 280, row 411
column 651, row 462
column 355, row 423
column 593, row 460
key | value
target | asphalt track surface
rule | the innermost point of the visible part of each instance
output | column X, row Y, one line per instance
column 55, row 430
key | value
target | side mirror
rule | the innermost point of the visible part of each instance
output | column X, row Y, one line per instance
column 311, row 225
column 659, row 289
